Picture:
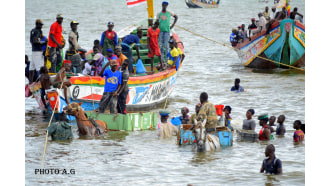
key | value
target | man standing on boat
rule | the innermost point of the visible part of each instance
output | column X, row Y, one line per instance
column 55, row 45
column 37, row 58
column 72, row 53
column 123, row 91
column 109, row 39
column 121, row 56
column 113, row 81
column 208, row 112
column 152, row 44
column 164, row 18
column 126, row 47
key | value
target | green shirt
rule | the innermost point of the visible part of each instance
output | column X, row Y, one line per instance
column 165, row 21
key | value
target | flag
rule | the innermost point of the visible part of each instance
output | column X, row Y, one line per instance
column 132, row 3
column 287, row 7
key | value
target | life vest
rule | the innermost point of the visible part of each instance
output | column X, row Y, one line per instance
column 108, row 41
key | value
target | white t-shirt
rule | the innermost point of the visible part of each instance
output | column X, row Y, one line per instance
column 262, row 23
column 88, row 69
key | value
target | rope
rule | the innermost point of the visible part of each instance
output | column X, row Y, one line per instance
column 51, row 118
column 167, row 93
column 90, row 79
column 238, row 49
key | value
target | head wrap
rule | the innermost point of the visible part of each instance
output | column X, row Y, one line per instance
column 66, row 61
column 185, row 109
column 251, row 111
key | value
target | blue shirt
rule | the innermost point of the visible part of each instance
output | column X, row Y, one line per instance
column 240, row 89
column 130, row 39
column 112, row 79
column 233, row 37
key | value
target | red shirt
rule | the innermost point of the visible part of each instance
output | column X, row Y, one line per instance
column 153, row 37
column 56, row 30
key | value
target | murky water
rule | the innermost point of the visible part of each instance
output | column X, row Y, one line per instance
column 140, row 158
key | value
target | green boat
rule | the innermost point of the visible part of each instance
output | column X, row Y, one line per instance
column 128, row 122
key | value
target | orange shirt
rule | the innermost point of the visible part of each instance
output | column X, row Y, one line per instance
column 56, row 30
column 153, row 37
column 121, row 59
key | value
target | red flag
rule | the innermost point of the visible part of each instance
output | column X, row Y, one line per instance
column 132, row 3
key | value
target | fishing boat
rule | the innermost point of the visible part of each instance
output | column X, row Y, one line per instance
column 282, row 47
column 285, row 44
column 202, row 3
column 146, row 91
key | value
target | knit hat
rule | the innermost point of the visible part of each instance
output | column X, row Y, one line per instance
column 263, row 116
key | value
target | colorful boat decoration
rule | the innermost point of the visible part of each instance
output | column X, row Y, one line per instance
column 284, row 44
column 202, row 3
column 145, row 91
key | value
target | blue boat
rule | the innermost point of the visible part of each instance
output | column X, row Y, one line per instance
column 187, row 137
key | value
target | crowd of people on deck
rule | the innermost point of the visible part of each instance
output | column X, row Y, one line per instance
column 212, row 2
column 240, row 34
column 110, row 58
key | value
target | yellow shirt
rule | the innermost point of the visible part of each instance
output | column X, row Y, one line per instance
column 179, row 50
column 174, row 53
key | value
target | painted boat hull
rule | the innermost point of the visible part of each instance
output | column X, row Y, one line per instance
column 198, row 4
column 285, row 43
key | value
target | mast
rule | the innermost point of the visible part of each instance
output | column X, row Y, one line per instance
column 150, row 8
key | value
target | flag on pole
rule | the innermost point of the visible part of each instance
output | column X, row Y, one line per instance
column 132, row 3
column 287, row 6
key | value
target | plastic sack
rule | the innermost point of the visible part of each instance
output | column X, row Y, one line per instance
column 140, row 67
column 176, row 121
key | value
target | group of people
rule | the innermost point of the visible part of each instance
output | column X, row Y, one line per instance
column 265, row 21
column 269, row 127
column 110, row 58
column 212, row 2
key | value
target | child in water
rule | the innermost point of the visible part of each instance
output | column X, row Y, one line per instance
column 227, row 111
column 280, row 130
column 298, row 135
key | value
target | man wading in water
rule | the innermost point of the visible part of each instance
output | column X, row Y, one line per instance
column 207, row 111
column 271, row 165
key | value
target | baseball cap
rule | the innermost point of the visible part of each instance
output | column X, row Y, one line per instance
column 74, row 22
column 96, row 57
column 110, row 23
column 59, row 16
column 39, row 21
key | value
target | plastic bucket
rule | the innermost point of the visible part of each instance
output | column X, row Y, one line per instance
column 219, row 109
